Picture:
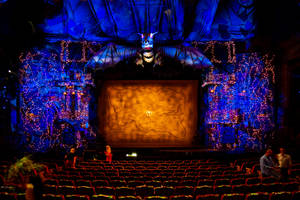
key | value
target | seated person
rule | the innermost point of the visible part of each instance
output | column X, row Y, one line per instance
column 108, row 154
column 70, row 159
column 267, row 165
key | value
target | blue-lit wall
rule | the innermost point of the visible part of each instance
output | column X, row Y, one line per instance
column 240, row 104
column 54, row 101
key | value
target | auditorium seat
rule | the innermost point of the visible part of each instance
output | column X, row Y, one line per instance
column 52, row 197
column 164, row 191
column 135, row 183
column 144, row 191
column 66, row 189
column 257, row 196
column 7, row 196
column 10, row 189
column 82, row 182
column 171, row 183
column 76, row 197
column 106, row 190
column 204, row 189
column 125, row 191
column 268, row 180
column 85, row 190
column 254, row 180
column 102, row 197
column 189, row 183
column 181, row 197
column 222, row 189
column 270, row 187
column 296, row 195
column 20, row 196
column 62, row 182
column 208, row 197
column 156, row 197
column 290, row 186
column 184, row 190
column 243, row 188
column 237, row 181
column 51, row 182
column 118, row 183
column 205, row 182
column 281, row 196
column 222, row 182
column 97, row 183
column 50, row 189
column 153, row 183
column 233, row 196
column 129, row 198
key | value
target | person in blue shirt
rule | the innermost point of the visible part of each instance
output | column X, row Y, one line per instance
column 267, row 166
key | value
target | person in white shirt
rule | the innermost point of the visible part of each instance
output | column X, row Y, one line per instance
column 285, row 164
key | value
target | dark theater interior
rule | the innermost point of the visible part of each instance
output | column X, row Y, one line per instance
column 149, row 99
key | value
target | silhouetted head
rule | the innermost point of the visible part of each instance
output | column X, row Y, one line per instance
column 269, row 152
column 282, row 150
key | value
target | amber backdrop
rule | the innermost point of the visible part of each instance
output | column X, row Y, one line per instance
column 148, row 113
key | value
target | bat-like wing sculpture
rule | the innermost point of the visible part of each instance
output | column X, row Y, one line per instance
column 110, row 55
column 187, row 55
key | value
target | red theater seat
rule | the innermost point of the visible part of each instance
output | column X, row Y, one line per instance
column 222, row 182
column 102, row 197
column 184, row 190
column 50, row 189
column 205, row 182
column 81, row 182
column 118, row 183
column 65, row 182
column 223, row 189
column 290, row 186
column 8, row 196
column 171, row 183
column 51, row 182
column 205, row 189
column 66, row 189
column 85, row 190
column 233, row 196
column 153, row 183
column 240, row 189
column 208, row 197
column 125, row 191
column 181, row 197
column 237, row 181
column 97, row 183
column 129, row 198
column 156, row 197
column 296, row 195
column 281, row 196
column 135, row 183
column 52, row 197
column 144, row 191
column 257, row 196
column 76, row 197
column 189, row 183
column 105, row 190
column 164, row 191
column 253, row 180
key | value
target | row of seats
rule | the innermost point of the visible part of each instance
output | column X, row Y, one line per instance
column 158, row 182
column 232, row 196
column 168, row 191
